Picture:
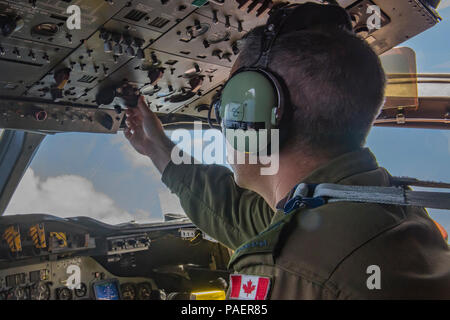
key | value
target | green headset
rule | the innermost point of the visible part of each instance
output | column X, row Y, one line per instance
column 255, row 97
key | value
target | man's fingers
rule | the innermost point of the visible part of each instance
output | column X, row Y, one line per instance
column 133, row 122
column 137, row 118
column 127, row 133
column 135, row 112
column 143, row 107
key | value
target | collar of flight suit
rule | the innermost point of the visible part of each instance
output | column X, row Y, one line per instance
column 336, row 170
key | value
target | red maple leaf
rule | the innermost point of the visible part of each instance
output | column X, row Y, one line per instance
column 249, row 287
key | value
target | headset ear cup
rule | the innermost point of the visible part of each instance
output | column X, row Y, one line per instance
column 217, row 111
column 280, row 93
column 216, row 104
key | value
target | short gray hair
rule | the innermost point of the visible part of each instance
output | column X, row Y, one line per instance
column 335, row 81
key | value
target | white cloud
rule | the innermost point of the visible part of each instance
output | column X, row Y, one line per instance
column 444, row 4
column 169, row 202
column 68, row 196
column 136, row 159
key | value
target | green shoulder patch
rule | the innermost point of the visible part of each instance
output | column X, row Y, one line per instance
column 265, row 242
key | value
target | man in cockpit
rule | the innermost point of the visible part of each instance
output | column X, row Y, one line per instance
column 333, row 86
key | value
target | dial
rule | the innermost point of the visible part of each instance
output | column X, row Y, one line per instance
column 198, row 30
column 45, row 29
column 144, row 291
column 63, row 294
column 128, row 291
column 40, row 291
column 218, row 37
column 18, row 294
column 81, row 291
column 3, row 295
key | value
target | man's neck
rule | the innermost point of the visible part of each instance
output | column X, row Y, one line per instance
column 293, row 169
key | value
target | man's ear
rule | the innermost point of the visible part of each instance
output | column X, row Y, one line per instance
column 235, row 67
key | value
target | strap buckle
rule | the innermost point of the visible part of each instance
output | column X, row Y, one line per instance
column 304, row 198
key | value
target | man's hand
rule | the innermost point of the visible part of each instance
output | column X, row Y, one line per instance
column 142, row 126
column 146, row 134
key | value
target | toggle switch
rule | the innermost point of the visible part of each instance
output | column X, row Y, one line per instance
column 154, row 58
column 227, row 21
column 217, row 53
column 17, row 53
column 140, row 54
column 107, row 46
column 215, row 19
column 240, row 29
column 32, row 55
column 118, row 50
column 227, row 55
column 69, row 37
column 197, row 24
column 130, row 52
column 234, row 48
column 46, row 58
column 105, row 70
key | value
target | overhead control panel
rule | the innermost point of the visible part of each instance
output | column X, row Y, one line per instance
column 171, row 51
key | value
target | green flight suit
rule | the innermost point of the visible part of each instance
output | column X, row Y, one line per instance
column 321, row 253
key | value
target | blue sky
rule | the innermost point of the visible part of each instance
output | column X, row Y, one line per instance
column 101, row 176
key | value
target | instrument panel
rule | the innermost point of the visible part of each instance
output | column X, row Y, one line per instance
column 43, row 257
column 50, row 281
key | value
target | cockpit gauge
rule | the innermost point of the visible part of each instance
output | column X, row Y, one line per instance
column 46, row 29
column 128, row 291
column 218, row 37
column 81, row 291
column 197, row 30
column 19, row 293
column 158, row 295
column 144, row 291
column 63, row 293
column 40, row 291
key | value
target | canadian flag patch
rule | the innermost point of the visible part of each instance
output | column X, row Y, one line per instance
column 247, row 287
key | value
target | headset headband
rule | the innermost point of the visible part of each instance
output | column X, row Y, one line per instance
column 296, row 17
